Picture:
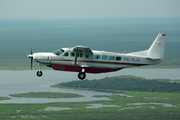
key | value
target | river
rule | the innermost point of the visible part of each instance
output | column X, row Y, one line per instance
column 14, row 82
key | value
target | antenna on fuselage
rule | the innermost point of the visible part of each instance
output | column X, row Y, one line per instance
column 124, row 52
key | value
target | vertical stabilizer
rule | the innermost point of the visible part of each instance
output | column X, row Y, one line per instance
column 156, row 51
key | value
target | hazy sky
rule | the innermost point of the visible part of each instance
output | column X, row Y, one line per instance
column 88, row 8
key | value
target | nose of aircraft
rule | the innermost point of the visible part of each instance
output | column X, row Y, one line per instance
column 30, row 56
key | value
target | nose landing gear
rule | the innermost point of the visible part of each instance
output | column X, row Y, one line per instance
column 39, row 73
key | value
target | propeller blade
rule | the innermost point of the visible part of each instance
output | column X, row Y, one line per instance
column 31, row 51
column 31, row 56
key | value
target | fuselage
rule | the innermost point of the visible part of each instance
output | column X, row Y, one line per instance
column 97, row 62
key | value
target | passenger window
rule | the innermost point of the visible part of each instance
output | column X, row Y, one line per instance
column 72, row 54
column 118, row 58
column 88, row 55
column 111, row 57
column 97, row 56
column 105, row 57
column 66, row 54
column 79, row 54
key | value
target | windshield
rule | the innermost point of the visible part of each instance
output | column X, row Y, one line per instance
column 58, row 52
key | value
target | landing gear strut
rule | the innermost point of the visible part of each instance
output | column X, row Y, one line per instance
column 82, row 75
column 39, row 73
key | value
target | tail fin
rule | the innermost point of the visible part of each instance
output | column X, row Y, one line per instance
column 156, row 51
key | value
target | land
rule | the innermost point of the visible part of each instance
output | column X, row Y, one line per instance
column 126, row 82
column 141, row 106
column 123, row 104
column 4, row 98
column 46, row 95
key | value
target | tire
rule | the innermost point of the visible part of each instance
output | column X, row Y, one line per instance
column 39, row 73
column 82, row 75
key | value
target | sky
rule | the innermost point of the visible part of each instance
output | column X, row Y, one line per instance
column 38, row 9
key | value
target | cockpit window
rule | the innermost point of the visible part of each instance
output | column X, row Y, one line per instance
column 58, row 52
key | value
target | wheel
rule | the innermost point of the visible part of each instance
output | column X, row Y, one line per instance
column 81, row 75
column 39, row 73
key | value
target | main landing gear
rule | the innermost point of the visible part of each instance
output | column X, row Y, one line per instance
column 82, row 75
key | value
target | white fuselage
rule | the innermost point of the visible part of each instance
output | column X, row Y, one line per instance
column 99, row 59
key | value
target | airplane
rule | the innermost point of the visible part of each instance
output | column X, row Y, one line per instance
column 84, row 60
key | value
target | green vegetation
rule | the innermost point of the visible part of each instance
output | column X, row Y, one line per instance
column 46, row 95
column 126, row 104
column 4, row 98
column 130, row 83
column 100, row 96
column 141, row 106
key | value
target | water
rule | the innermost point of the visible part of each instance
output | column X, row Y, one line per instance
column 14, row 82
column 100, row 105
column 153, row 103
column 56, row 108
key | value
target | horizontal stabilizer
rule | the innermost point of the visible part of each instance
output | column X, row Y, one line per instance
column 153, row 58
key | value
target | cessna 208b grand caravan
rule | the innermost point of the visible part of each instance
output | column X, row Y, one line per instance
column 84, row 60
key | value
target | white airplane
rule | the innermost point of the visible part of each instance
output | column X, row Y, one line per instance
column 84, row 60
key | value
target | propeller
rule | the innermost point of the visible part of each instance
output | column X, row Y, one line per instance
column 31, row 56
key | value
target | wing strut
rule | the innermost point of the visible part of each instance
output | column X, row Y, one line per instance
column 76, row 54
column 81, row 49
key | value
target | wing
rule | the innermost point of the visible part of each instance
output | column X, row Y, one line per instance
column 81, row 49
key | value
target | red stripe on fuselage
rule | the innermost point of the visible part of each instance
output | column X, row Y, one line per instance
column 87, row 70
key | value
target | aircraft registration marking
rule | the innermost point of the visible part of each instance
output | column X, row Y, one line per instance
column 132, row 59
